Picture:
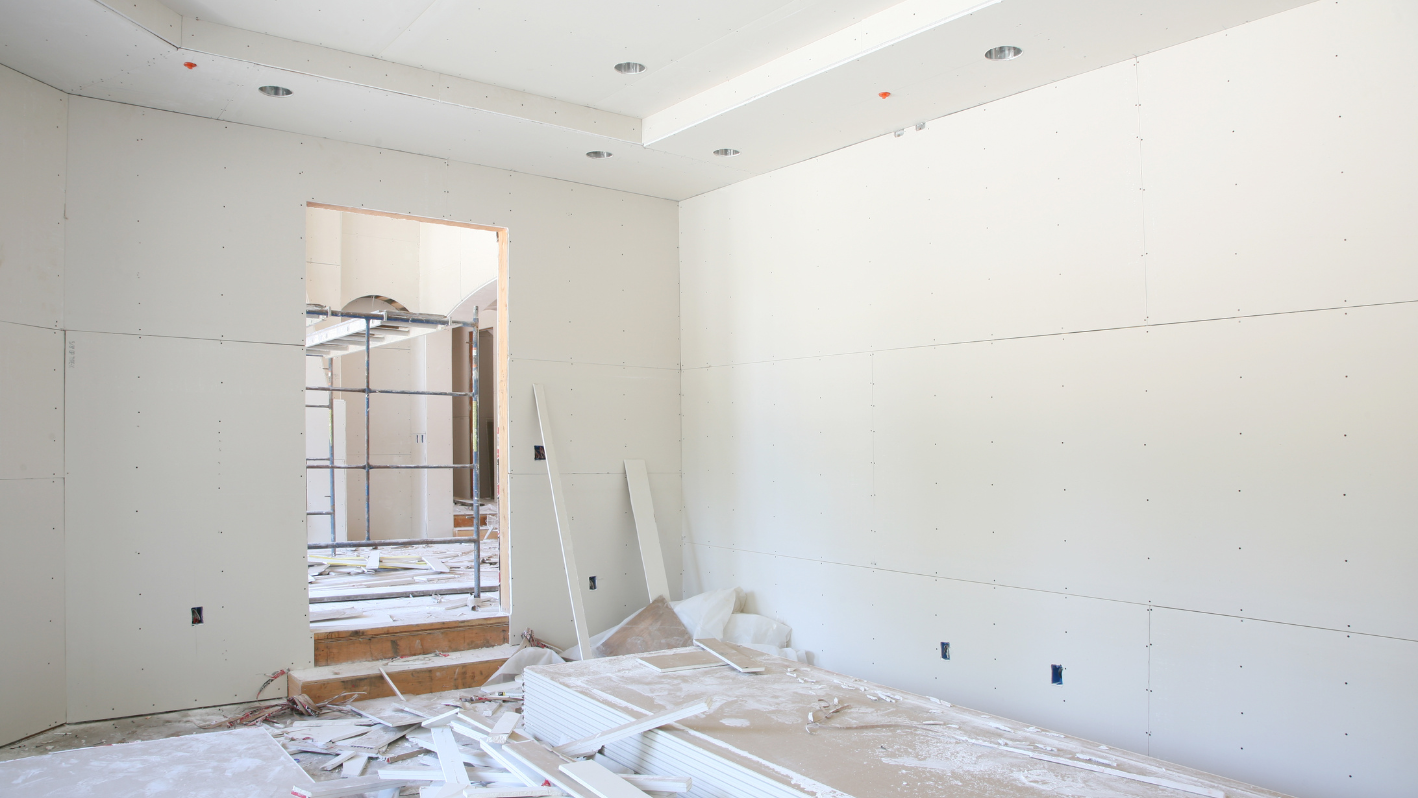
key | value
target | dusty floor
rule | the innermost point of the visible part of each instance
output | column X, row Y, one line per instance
column 184, row 722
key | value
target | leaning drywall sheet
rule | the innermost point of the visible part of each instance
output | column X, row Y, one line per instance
column 244, row 763
column 797, row 729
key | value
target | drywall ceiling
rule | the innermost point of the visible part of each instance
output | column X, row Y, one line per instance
column 499, row 86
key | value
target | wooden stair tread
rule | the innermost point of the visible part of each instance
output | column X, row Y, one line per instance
column 386, row 642
column 460, row 670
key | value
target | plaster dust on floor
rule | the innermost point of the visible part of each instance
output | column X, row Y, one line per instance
column 827, row 734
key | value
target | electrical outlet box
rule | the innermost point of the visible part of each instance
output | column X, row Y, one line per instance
column 539, row 452
column 196, row 615
column 945, row 651
column 1056, row 674
column 593, row 583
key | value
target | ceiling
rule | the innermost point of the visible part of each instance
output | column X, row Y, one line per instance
column 532, row 88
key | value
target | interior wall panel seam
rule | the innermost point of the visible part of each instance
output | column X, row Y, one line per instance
column 1097, row 330
column 297, row 345
column 592, row 363
column 1057, row 593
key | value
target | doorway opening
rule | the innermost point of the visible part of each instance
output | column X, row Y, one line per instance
column 405, row 329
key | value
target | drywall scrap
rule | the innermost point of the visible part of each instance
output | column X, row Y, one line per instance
column 655, row 628
column 563, row 524
column 792, row 730
column 346, row 574
column 648, row 532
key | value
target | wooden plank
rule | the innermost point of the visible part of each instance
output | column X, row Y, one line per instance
column 592, row 744
column 369, row 644
column 563, row 526
column 643, row 508
column 600, row 780
column 729, row 654
column 681, row 661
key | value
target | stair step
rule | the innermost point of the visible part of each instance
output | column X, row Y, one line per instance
column 461, row 670
column 387, row 642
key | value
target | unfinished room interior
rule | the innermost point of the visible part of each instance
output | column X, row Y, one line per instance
column 775, row 399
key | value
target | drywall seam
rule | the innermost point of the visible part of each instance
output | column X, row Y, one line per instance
column 1052, row 592
column 1048, row 335
column 593, row 363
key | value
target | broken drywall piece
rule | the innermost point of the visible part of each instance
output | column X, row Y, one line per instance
column 563, row 525
column 643, row 508
column 729, row 654
column 598, row 779
column 506, row 723
column 682, row 661
column 655, row 628
column 592, row 744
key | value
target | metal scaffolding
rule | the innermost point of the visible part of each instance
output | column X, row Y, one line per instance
column 325, row 344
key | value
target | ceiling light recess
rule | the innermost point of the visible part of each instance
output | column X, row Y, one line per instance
column 275, row 91
column 1006, row 52
column 629, row 68
column 727, row 152
column 598, row 154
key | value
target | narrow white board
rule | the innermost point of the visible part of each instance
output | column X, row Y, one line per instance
column 729, row 654
column 592, row 744
column 600, row 780
column 563, row 527
column 643, row 508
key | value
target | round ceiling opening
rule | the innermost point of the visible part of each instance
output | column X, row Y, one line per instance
column 727, row 152
column 275, row 91
column 598, row 154
column 629, row 68
column 1006, row 53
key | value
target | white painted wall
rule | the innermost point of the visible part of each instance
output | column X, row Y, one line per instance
column 33, row 119
column 185, row 289
column 1118, row 374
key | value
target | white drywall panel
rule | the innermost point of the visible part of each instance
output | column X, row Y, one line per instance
column 606, row 547
column 1276, row 171
column 887, row 626
column 779, row 455
column 1225, row 466
column 602, row 415
column 1310, row 712
column 185, row 489
column 32, row 692
column 31, row 402
column 594, row 273
column 588, row 259
column 1017, row 218
column 164, row 240
column 33, row 137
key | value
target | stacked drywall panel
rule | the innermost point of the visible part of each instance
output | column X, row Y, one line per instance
column 797, row 730
column 1127, row 386
column 33, row 124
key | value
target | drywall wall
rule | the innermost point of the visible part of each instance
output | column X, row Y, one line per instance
column 1116, row 374
column 33, row 118
column 185, row 267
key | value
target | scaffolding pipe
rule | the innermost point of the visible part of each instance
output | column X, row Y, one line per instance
column 377, row 467
column 366, row 544
column 473, row 434
column 367, row 535
column 385, row 390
